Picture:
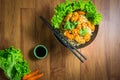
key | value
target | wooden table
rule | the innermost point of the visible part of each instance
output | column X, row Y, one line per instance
column 21, row 27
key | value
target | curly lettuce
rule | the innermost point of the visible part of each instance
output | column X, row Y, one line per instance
column 62, row 9
column 92, row 13
column 12, row 64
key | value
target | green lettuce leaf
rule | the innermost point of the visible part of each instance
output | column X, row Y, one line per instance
column 12, row 63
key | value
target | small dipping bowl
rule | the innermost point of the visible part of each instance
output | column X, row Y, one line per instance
column 40, row 51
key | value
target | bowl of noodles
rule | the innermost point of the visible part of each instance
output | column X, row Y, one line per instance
column 78, row 21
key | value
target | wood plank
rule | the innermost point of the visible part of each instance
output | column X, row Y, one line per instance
column 57, row 58
column 95, row 68
column 10, row 29
column 12, row 22
column 101, row 51
column 2, row 75
column 2, row 21
column 0, row 10
column 28, row 39
column 43, row 36
column 72, row 67
column 113, row 47
column 27, row 32
column 25, row 3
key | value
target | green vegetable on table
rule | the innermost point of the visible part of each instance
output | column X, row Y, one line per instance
column 62, row 9
column 12, row 64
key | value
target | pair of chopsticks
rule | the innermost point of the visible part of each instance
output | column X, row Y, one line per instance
column 72, row 48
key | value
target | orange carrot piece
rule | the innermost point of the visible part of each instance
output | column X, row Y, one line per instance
column 36, row 77
column 30, row 75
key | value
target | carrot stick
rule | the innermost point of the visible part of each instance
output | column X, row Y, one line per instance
column 36, row 77
column 30, row 75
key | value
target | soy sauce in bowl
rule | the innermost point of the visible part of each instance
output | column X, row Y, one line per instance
column 40, row 51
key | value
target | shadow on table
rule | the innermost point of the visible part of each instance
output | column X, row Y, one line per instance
column 31, row 55
column 2, row 75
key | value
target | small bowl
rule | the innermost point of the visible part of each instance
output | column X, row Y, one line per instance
column 87, row 43
column 40, row 51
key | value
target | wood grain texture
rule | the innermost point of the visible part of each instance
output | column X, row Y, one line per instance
column 21, row 27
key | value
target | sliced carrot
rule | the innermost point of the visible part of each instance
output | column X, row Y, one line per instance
column 36, row 77
column 30, row 75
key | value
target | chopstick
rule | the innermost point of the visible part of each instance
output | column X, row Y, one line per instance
column 75, row 54
column 77, row 51
column 63, row 40
column 73, row 47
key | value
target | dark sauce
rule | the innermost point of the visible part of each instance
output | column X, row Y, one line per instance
column 40, row 51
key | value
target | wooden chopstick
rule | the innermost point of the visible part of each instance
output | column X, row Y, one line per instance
column 62, row 39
